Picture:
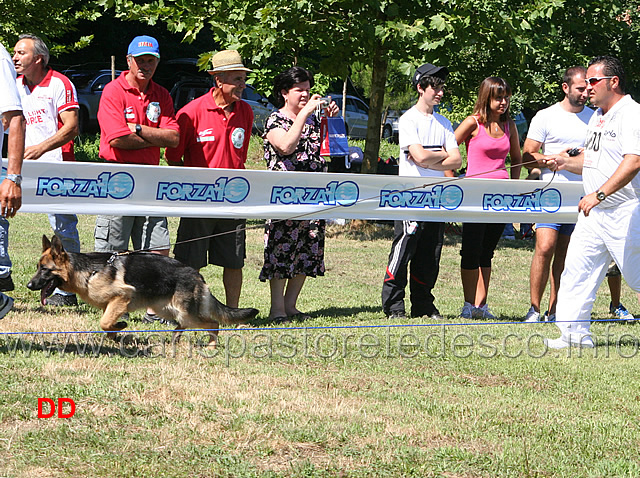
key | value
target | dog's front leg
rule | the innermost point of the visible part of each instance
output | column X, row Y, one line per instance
column 115, row 309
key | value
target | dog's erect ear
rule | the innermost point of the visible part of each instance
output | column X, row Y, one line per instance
column 56, row 247
column 46, row 244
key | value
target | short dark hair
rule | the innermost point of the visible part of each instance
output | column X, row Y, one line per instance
column 572, row 72
column 433, row 81
column 286, row 80
column 611, row 67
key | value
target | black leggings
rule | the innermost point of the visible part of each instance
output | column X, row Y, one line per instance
column 478, row 243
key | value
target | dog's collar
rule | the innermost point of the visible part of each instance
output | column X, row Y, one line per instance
column 112, row 258
column 116, row 254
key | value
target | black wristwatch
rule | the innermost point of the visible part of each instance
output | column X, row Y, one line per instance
column 139, row 130
column 600, row 196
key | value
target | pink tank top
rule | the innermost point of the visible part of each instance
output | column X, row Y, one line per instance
column 485, row 153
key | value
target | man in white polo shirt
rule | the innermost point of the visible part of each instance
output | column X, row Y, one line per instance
column 609, row 226
column 50, row 107
column 10, row 190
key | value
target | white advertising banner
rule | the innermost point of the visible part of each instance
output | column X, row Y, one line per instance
column 116, row 189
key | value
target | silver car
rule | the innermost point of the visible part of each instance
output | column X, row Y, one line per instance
column 260, row 105
column 357, row 115
column 89, row 86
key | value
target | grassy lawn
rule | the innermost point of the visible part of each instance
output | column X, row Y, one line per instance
column 348, row 393
column 365, row 398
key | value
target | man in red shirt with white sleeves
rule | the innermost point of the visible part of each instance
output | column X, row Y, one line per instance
column 50, row 106
column 214, row 133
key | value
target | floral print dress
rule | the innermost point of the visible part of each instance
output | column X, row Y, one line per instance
column 294, row 247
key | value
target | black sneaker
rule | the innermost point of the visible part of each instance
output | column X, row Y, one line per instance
column 61, row 300
column 398, row 314
column 6, row 284
column 6, row 304
column 434, row 314
column 151, row 318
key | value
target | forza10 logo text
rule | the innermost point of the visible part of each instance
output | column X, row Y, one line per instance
column 343, row 194
column 548, row 200
column 107, row 185
column 233, row 190
column 439, row 197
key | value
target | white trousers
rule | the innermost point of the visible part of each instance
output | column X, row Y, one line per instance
column 605, row 234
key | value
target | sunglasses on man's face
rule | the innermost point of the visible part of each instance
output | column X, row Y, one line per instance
column 595, row 79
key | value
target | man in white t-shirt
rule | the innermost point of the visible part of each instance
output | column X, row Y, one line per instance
column 10, row 189
column 50, row 106
column 428, row 147
column 554, row 130
column 609, row 226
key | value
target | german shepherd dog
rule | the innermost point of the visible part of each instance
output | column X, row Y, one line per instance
column 123, row 282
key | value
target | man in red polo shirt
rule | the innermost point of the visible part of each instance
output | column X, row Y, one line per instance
column 136, row 119
column 214, row 133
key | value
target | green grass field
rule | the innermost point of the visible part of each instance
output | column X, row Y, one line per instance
column 348, row 393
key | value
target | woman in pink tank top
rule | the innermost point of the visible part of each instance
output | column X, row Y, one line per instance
column 490, row 135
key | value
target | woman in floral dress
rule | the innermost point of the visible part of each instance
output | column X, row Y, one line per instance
column 293, row 249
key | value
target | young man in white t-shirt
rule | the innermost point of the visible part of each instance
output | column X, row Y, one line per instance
column 50, row 105
column 428, row 147
column 10, row 189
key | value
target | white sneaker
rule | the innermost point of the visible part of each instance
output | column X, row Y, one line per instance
column 6, row 304
column 467, row 311
column 549, row 317
column 561, row 343
column 483, row 313
column 532, row 315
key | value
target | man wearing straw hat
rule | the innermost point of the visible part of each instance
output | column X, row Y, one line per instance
column 214, row 133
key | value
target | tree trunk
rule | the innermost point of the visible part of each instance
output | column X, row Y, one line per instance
column 378, row 82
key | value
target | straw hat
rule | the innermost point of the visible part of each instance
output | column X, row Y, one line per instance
column 227, row 60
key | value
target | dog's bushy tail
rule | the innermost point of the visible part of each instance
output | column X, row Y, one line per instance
column 230, row 315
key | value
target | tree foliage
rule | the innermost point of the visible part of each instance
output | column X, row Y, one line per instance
column 528, row 42
column 47, row 19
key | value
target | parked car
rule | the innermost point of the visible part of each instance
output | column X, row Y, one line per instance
column 390, row 128
column 89, row 86
column 180, row 76
column 522, row 126
column 357, row 115
column 183, row 79
column 387, row 129
column 260, row 105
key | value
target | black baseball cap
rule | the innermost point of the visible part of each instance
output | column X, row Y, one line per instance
column 429, row 69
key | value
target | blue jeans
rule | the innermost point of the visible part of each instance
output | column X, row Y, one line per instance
column 65, row 227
